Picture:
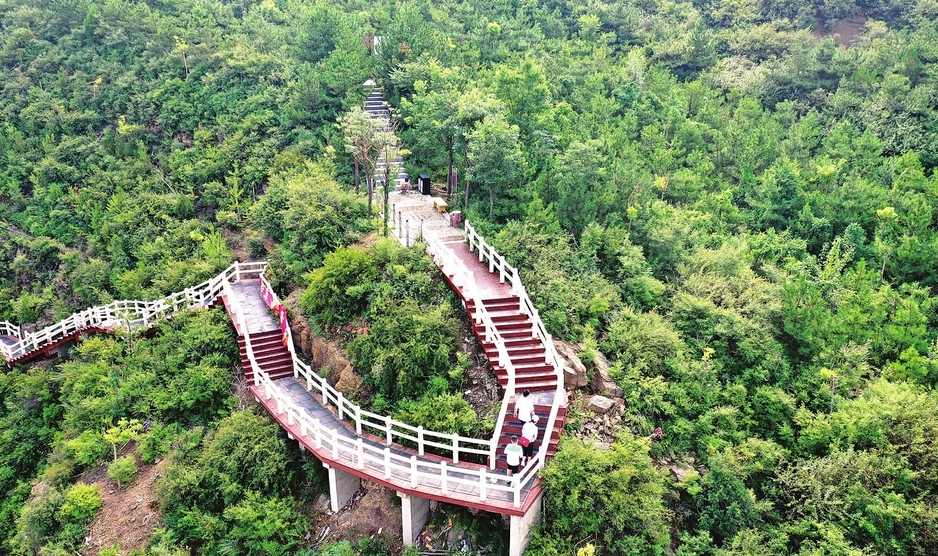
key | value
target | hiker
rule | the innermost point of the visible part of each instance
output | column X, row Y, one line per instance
column 524, row 407
column 513, row 454
column 528, row 436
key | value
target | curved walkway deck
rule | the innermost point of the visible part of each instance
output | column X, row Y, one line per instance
column 356, row 444
column 297, row 403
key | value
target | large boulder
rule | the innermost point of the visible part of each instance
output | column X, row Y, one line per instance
column 600, row 404
column 349, row 381
column 602, row 382
column 575, row 374
column 325, row 354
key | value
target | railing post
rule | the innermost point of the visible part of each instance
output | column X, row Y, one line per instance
column 420, row 447
column 443, row 484
column 455, row 438
column 358, row 420
column 340, row 404
column 387, row 427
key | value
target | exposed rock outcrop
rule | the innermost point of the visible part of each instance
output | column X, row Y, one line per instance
column 575, row 374
column 602, row 382
column 600, row 404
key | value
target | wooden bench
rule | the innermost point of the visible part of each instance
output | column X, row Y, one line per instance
column 439, row 204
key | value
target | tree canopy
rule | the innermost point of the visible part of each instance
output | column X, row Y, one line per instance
column 734, row 202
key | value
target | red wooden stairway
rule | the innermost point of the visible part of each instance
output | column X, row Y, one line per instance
column 269, row 352
column 513, row 427
column 527, row 353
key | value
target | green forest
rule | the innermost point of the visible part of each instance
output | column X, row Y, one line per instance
column 734, row 202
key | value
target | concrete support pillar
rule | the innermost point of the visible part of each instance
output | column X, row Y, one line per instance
column 415, row 513
column 521, row 526
column 342, row 487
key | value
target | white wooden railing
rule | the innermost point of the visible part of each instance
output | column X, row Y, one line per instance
column 381, row 462
column 382, row 426
column 127, row 315
column 360, row 454
column 9, row 329
column 498, row 265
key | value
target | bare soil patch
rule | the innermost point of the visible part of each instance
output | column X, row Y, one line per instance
column 844, row 31
column 129, row 515
column 374, row 512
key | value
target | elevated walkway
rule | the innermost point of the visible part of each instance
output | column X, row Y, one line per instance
column 17, row 346
column 354, row 444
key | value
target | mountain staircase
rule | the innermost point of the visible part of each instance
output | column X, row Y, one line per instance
column 376, row 107
column 271, row 354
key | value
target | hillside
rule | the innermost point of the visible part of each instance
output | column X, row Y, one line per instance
column 730, row 203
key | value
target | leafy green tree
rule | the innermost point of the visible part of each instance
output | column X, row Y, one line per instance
column 361, row 140
column 494, row 156
column 580, row 177
column 318, row 218
column 408, row 345
column 610, row 494
column 243, row 459
column 726, row 506
column 440, row 411
column 122, row 470
column 339, row 289
column 262, row 525
column 125, row 431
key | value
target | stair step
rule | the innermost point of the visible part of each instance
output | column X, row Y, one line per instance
column 541, row 409
column 500, row 460
column 511, row 428
column 516, row 343
column 527, row 360
column 509, row 331
column 519, row 352
column 267, row 362
column 506, row 304
column 537, row 369
column 543, row 386
column 265, row 350
column 509, row 318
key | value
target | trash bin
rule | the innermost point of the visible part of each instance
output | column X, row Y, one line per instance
column 423, row 184
column 455, row 218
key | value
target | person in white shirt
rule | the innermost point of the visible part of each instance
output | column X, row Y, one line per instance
column 513, row 453
column 524, row 406
column 529, row 435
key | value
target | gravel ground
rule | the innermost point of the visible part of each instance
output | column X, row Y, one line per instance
column 415, row 213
